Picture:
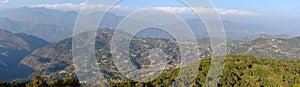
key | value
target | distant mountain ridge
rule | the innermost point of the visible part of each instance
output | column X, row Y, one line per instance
column 45, row 31
column 53, row 25
column 41, row 15
column 48, row 24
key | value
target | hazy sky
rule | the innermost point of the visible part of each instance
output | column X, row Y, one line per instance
column 261, row 6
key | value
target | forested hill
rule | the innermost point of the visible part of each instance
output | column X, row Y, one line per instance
column 239, row 71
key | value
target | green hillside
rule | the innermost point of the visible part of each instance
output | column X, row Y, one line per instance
column 239, row 71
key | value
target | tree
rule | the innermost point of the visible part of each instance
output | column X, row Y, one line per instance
column 56, row 83
column 4, row 84
column 70, row 81
column 38, row 81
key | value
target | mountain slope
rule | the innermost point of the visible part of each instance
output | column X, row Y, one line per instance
column 55, row 60
column 13, row 48
column 270, row 47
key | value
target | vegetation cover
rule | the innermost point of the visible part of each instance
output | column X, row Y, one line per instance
column 239, row 70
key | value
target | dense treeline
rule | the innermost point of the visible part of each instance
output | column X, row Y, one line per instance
column 240, row 70
column 38, row 81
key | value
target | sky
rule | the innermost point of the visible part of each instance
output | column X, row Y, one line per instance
column 261, row 6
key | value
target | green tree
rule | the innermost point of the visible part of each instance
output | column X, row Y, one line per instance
column 4, row 84
column 56, row 83
column 38, row 81
column 70, row 81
